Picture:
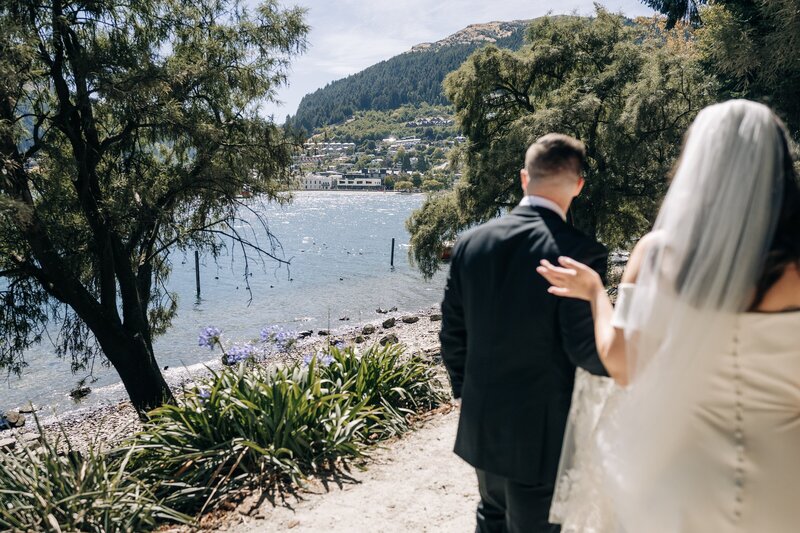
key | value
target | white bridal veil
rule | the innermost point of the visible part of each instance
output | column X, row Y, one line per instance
column 710, row 243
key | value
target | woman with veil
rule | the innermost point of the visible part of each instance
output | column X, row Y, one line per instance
column 703, row 433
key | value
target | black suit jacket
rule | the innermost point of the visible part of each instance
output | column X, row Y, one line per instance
column 510, row 347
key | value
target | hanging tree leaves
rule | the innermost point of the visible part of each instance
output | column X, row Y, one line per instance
column 128, row 130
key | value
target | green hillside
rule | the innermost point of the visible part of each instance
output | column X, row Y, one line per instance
column 413, row 77
column 373, row 125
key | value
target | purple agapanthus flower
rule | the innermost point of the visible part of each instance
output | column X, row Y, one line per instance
column 209, row 336
column 283, row 339
column 326, row 360
column 268, row 334
column 203, row 394
column 238, row 353
column 339, row 345
column 308, row 358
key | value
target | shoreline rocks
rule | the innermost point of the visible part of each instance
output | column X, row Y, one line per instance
column 11, row 420
column 111, row 423
column 391, row 338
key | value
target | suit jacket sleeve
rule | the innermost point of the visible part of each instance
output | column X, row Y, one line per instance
column 576, row 323
column 453, row 335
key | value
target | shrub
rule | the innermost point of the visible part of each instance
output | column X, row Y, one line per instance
column 395, row 387
column 248, row 426
column 44, row 490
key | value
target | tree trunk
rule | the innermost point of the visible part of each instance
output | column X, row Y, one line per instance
column 139, row 371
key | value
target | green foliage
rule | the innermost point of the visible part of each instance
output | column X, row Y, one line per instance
column 409, row 78
column 430, row 185
column 752, row 48
column 404, row 186
column 629, row 95
column 128, row 130
column 405, row 161
column 47, row 490
column 432, row 226
column 250, row 426
column 244, row 427
column 393, row 385
column 257, row 425
column 678, row 10
column 371, row 126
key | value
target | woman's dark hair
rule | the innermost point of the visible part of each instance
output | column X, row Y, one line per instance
column 785, row 247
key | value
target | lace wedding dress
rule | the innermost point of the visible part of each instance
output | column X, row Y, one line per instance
column 579, row 503
column 733, row 467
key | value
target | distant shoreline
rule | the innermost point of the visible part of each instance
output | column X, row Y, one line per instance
column 356, row 190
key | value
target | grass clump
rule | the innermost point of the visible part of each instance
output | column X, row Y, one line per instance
column 56, row 488
column 253, row 426
column 394, row 386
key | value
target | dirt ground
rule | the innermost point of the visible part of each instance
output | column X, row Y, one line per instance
column 415, row 484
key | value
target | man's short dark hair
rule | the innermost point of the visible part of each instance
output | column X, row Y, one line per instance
column 554, row 153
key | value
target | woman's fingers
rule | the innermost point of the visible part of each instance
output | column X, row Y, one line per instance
column 558, row 291
column 557, row 276
column 551, row 267
column 572, row 279
column 571, row 264
column 550, row 275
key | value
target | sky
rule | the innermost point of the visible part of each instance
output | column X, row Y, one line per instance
column 348, row 36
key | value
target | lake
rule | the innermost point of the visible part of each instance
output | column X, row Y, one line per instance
column 338, row 245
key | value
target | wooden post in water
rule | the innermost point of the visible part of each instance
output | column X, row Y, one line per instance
column 197, row 271
column 391, row 261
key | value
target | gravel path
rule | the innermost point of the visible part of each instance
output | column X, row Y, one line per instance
column 413, row 484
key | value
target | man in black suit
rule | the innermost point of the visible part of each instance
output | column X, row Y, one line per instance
column 511, row 348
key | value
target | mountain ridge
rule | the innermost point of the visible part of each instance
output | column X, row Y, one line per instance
column 413, row 77
column 487, row 33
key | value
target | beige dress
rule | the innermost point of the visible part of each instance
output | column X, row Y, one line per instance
column 736, row 467
column 747, row 432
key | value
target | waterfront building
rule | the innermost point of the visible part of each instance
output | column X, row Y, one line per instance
column 322, row 181
column 364, row 180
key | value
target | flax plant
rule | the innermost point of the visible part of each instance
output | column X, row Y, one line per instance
column 54, row 487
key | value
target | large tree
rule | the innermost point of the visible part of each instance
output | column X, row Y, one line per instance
column 627, row 90
column 127, row 130
column 751, row 46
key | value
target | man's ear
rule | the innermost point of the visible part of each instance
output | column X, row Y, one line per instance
column 524, row 179
column 579, row 186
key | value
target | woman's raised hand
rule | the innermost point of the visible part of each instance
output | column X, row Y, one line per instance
column 572, row 279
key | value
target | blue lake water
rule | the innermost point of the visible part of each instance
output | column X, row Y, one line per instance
column 339, row 246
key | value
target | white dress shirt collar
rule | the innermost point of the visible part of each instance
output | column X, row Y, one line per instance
column 538, row 201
